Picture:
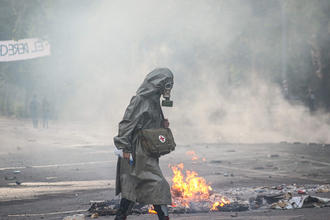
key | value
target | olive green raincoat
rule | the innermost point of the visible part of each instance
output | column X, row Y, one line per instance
column 142, row 182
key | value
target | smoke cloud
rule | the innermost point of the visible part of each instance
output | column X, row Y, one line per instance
column 222, row 93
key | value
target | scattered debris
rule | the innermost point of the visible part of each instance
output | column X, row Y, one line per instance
column 241, row 199
column 301, row 202
column 260, row 190
column 110, row 207
column 94, row 215
column 103, row 208
column 323, row 189
column 234, row 215
column 280, row 187
column 234, row 207
column 75, row 217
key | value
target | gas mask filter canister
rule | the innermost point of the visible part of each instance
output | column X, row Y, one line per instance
column 166, row 95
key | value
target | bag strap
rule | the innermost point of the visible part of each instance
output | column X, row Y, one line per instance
column 161, row 112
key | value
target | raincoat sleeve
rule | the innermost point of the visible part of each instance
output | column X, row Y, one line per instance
column 129, row 124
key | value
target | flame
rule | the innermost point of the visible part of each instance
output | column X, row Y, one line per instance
column 152, row 211
column 192, row 188
column 223, row 201
column 189, row 188
column 192, row 154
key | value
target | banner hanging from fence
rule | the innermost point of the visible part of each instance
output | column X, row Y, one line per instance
column 23, row 49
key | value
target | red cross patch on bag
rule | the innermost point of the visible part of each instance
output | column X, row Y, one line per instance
column 162, row 138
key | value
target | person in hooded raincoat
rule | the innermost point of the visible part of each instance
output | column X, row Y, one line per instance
column 142, row 181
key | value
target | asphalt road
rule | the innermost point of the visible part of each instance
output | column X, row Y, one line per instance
column 42, row 182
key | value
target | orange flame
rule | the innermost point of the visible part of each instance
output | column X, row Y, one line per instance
column 192, row 188
column 152, row 211
column 189, row 188
column 223, row 201
column 192, row 154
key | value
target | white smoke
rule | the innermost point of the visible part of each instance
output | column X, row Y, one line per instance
column 119, row 42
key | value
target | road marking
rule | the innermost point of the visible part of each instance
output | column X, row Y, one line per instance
column 31, row 190
column 56, row 165
column 48, row 213
column 64, row 183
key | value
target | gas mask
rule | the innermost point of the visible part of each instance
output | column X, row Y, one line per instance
column 167, row 94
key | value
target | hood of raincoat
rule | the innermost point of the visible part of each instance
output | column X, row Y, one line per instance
column 155, row 81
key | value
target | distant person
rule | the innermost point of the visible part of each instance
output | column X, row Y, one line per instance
column 311, row 100
column 34, row 111
column 45, row 112
column 285, row 89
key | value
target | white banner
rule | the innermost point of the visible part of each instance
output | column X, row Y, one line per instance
column 23, row 49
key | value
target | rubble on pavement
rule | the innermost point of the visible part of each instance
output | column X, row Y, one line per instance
column 75, row 217
column 282, row 196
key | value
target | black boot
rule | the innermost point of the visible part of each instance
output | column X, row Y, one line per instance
column 124, row 209
column 160, row 212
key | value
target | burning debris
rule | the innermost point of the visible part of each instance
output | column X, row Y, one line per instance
column 241, row 199
column 233, row 207
column 191, row 193
column 192, row 199
column 190, row 189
